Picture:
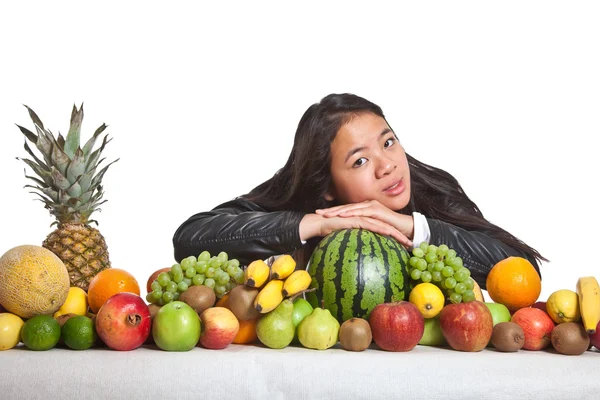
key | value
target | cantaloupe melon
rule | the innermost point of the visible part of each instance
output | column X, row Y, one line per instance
column 33, row 281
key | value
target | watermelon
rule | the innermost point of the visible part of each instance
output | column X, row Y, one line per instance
column 353, row 270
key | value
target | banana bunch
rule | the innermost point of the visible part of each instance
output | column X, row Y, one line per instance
column 277, row 282
column 588, row 292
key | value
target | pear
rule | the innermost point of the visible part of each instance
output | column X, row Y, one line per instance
column 276, row 329
column 319, row 330
column 302, row 309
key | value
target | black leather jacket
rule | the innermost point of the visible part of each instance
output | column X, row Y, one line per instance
column 248, row 232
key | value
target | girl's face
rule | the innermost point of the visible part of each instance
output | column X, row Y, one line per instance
column 368, row 163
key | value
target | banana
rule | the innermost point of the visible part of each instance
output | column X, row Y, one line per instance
column 296, row 282
column 269, row 297
column 283, row 267
column 257, row 274
column 588, row 292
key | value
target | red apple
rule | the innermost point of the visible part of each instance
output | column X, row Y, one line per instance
column 595, row 337
column 541, row 305
column 123, row 322
column 153, row 278
column 396, row 326
column 537, row 326
column 219, row 327
column 467, row 326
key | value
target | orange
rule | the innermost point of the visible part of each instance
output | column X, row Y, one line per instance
column 223, row 301
column 247, row 332
column 108, row 283
column 514, row 282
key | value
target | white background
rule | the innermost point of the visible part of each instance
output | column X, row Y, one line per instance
column 505, row 96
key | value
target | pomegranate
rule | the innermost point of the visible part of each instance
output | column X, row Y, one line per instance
column 124, row 322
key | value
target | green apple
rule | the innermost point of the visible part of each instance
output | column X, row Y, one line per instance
column 432, row 334
column 499, row 312
column 176, row 327
column 302, row 309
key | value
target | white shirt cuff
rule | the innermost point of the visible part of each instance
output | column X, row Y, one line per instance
column 421, row 231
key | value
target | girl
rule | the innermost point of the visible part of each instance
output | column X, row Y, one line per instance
column 348, row 170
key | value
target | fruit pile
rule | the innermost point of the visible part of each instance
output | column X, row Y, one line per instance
column 440, row 265
column 215, row 272
column 266, row 305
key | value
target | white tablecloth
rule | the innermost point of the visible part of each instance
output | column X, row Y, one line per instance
column 255, row 372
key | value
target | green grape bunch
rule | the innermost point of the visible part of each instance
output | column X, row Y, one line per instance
column 440, row 266
column 216, row 272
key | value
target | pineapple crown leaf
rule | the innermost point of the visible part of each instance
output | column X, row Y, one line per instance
column 28, row 134
column 40, row 182
column 76, row 167
column 87, row 148
column 93, row 160
column 36, row 120
column 98, row 178
column 72, row 142
column 61, row 141
column 36, row 180
column 43, row 173
column 32, row 154
column 59, row 179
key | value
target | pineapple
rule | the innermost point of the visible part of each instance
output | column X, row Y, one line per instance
column 70, row 185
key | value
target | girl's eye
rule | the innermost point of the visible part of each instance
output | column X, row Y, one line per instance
column 361, row 161
column 389, row 142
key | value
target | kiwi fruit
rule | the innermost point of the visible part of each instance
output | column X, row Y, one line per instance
column 355, row 334
column 153, row 309
column 570, row 338
column 198, row 297
column 508, row 337
column 61, row 319
column 241, row 302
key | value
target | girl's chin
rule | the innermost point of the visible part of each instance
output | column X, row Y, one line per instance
column 396, row 203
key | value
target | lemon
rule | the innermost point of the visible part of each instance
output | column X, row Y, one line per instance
column 79, row 333
column 563, row 306
column 10, row 330
column 76, row 303
column 41, row 332
column 428, row 298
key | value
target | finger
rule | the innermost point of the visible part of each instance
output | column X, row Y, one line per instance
column 386, row 229
column 343, row 209
column 330, row 209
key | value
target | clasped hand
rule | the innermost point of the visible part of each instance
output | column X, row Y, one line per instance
column 370, row 215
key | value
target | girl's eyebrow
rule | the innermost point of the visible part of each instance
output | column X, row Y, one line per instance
column 357, row 149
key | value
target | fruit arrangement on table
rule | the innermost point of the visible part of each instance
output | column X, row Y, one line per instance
column 265, row 305
column 359, row 287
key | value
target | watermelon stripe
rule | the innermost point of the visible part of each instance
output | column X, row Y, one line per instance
column 396, row 279
column 373, row 291
column 348, row 277
column 356, row 310
column 386, row 262
column 332, row 257
column 315, row 269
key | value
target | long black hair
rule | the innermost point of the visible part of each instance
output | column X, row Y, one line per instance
column 305, row 178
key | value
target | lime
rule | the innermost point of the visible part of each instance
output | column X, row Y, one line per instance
column 41, row 332
column 79, row 333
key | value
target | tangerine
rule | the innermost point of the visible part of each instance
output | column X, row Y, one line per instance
column 108, row 283
column 247, row 332
column 514, row 282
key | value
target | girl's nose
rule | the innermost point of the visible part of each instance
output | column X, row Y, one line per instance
column 385, row 167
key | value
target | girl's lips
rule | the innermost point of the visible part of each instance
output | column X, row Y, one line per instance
column 395, row 189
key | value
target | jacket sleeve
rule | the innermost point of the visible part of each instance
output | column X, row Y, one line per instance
column 240, row 228
column 478, row 251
